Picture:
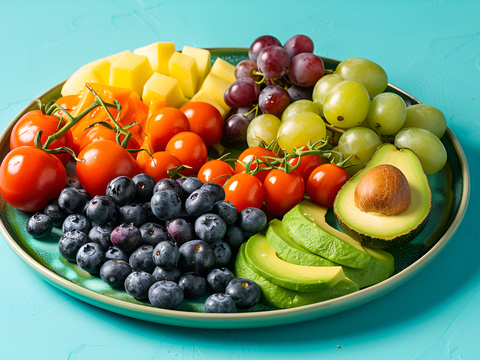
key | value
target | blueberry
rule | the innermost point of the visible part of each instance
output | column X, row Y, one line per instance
column 218, row 279
column 101, row 235
column 152, row 233
column 76, row 222
column 141, row 259
column 252, row 220
column 196, row 256
column 148, row 209
column 199, row 202
column 138, row 283
column 227, row 211
column 191, row 184
column 210, row 227
column 90, row 257
column 72, row 200
column 220, row 303
column 169, row 184
column 73, row 181
column 165, row 295
column 215, row 189
column 121, row 190
column 115, row 253
column 244, row 292
column 132, row 213
column 53, row 210
column 145, row 184
column 114, row 273
column 160, row 273
column 234, row 237
column 101, row 210
column 180, row 230
column 39, row 226
column 126, row 236
column 193, row 286
column 70, row 242
column 223, row 253
column 166, row 255
column 166, row 205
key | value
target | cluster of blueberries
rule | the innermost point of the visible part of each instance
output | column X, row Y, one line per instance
column 162, row 241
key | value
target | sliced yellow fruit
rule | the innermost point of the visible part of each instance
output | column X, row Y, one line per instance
column 97, row 71
column 159, row 54
column 131, row 71
column 204, row 96
column 184, row 69
column 203, row 59
column 224, row 69
column 159, row 86
column 114, row 57
column 215, row 86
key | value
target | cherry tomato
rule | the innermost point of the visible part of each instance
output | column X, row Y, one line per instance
column 68, row 102
column 217, row 171
column 324, row 183
column 102, row 161
column 282, row 191
column 27, row 127
column 163, row 125
column 190, row 149
column 30, row 177
column 159, row 165
column 100, row 132
column 255, row 152
column 307, row 164
column 205, row 120
column 244, row 190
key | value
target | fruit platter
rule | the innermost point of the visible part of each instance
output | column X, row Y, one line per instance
column 229, row 187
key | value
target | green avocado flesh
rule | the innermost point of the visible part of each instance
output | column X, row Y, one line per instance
column 280, row 297
column 266, row 263
column 386, row 231
column 380, row 267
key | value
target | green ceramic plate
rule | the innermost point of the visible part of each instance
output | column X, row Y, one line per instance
column 450, row 190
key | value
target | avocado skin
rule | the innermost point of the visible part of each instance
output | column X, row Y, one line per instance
column 279, row 297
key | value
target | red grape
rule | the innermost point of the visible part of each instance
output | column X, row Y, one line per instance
column 261, row 43
column 273, row 62
column 235, row 128
column 241, row 92
column 298, row 44
column 244, row 69
column 273, row 100
column 306, row 69
column 300, row 93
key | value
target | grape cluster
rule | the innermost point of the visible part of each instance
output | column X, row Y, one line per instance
column 161, row 242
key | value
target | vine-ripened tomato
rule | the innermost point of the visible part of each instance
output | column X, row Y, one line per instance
column 255, row 152
column 282, row 191
column 102, row 161
column 30, row 177
column 27, row 127
column 205, row 120
column 190, row 149
column 307, row 164
column 100, row 132
column 217, row 171
column 244, row 190
column 159, row 164
column 163, row 124
column 324, row 183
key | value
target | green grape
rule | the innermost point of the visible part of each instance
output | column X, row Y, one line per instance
column 262, row 128
column 323, row 87
column 346, row 105
column 297, row 130
column 300, row 106
column 426, row 145
column 387, row 113
column 426, row 117
column 366, row 72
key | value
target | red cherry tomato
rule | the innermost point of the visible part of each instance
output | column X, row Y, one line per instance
column 163, row 124
column 205, row 120
column 100, row 132
column 30, row 177
column 160, row 163
column 100, row 162
column 324, row 183
column 255, row 152
column 244, row 190
column 307, row 164
column 217, row 171
column 282, row 191
column 190, row 149
column 27, row 127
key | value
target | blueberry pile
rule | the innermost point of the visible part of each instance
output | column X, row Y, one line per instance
column 161, row 242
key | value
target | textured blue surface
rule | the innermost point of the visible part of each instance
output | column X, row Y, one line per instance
column 431, row 49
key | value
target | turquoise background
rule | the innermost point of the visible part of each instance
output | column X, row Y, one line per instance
column 430, row 49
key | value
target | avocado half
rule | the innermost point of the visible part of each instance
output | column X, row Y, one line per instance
column 379, row 231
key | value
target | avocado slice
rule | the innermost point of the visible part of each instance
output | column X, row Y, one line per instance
column 279, row 297
column 377, row 231
column 305, row 223
column 381, row 265
column 265, row 262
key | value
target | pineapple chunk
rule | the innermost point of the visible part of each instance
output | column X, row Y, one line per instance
column 131, row 71
column 97, row 71
column 159, row 86
column 158, row 54
column 204, row 96
column 184, row 69
column 216, row 86
column 224, row 69
column 114, row 57
column 203, row 59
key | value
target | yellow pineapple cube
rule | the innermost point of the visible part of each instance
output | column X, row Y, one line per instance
column 158, row 54
column 97, row 71
column 160, row 85
column 130, row 71
column 184, row 69
column 224, row 69
column 204, row 96
column 114, row 57
column 216, row 86
column 203, row 59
